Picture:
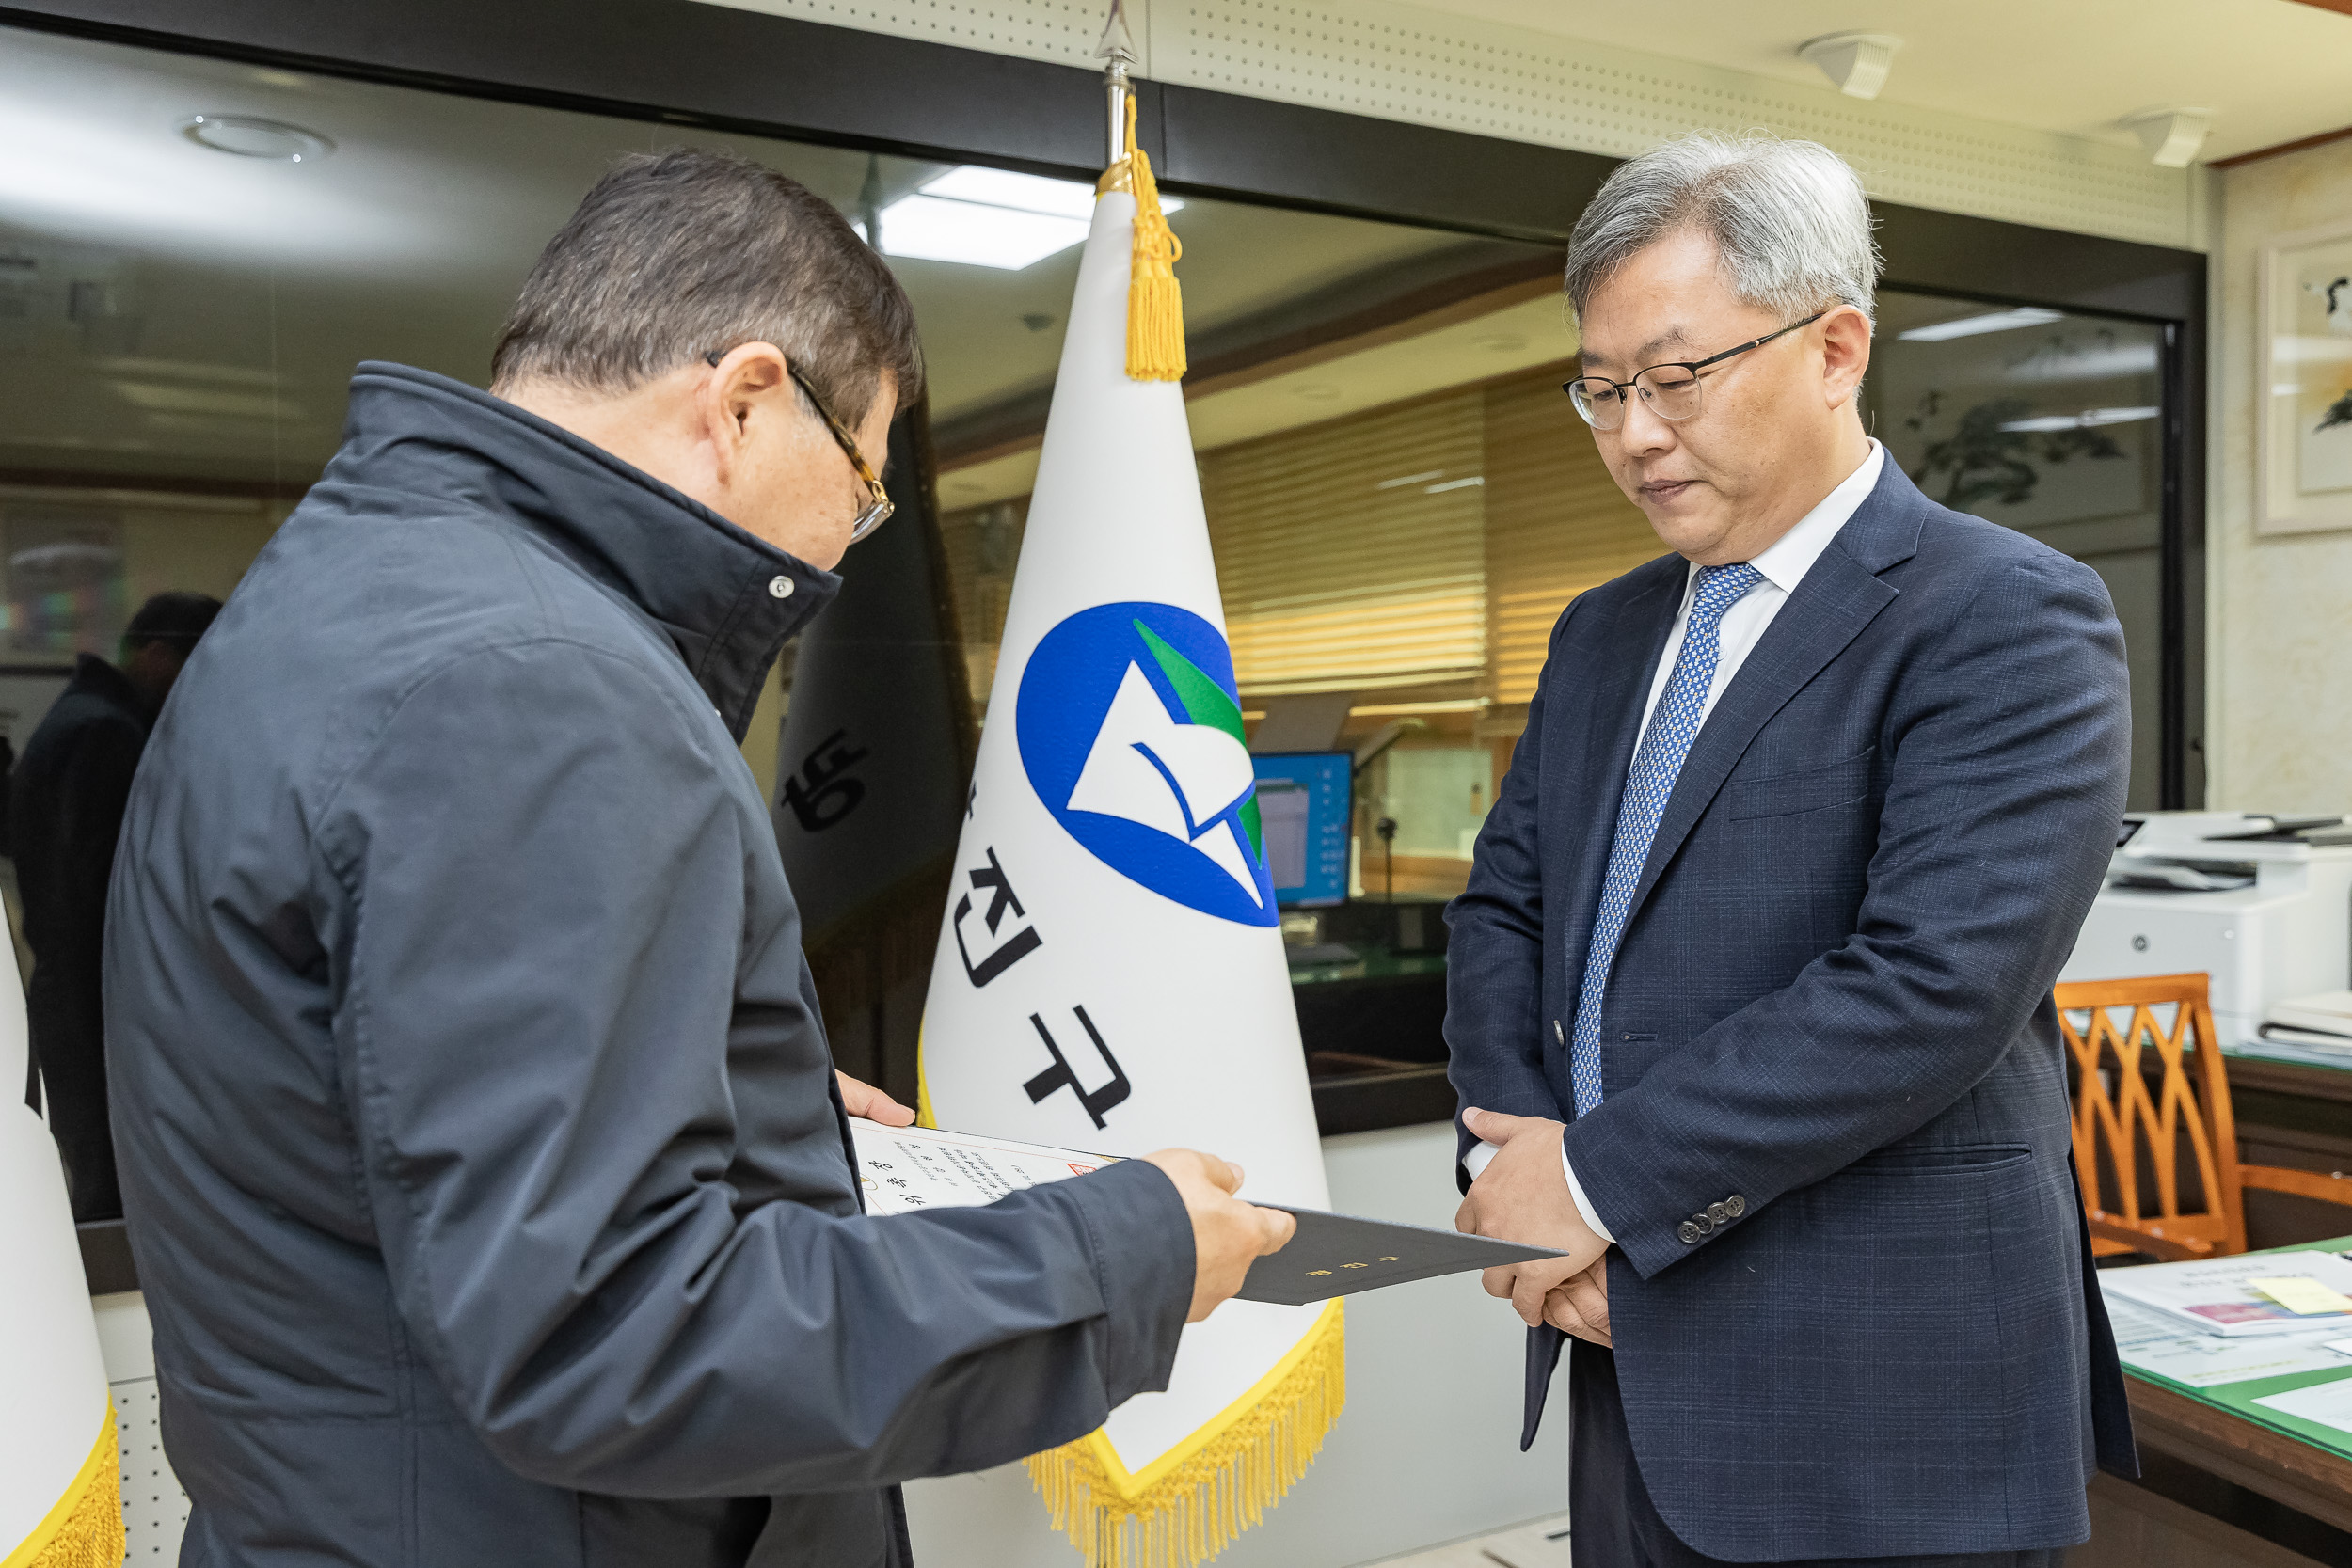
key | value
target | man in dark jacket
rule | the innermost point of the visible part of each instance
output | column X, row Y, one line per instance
column 66, row 801
column 486, row 1170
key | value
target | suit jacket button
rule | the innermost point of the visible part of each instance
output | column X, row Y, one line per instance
column 1687, row 1233
column 1718, row 1212
column 1705, row 1227
column 1735, row 1206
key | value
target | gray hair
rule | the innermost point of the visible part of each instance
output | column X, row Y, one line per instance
column 675, row 254
column 1788, row 220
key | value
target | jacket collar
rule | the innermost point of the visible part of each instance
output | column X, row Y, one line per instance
column 728, row 599
column 100, row 679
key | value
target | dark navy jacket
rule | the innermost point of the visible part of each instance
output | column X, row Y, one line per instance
column 484, row 1164
column 1851, row 1296
column 67, row 800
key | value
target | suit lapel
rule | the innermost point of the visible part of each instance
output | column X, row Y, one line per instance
column 1841, row 594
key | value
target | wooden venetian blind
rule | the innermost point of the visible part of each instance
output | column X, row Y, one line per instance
column 1556, row 523
column 1352, row 554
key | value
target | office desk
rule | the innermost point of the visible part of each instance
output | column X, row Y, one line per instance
column 2248, row 1470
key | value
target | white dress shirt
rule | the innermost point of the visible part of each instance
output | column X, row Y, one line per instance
column 1784, row 564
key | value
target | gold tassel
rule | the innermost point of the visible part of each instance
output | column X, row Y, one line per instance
column 1156, row 302
column 1236, row 1468
column 85, row 1528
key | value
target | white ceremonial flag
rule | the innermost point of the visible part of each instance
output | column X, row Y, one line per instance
column 60, row 1472
column 1111, row 972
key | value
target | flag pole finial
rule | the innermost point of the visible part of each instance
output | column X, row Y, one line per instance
column 1118, row 54
column 1155, row 311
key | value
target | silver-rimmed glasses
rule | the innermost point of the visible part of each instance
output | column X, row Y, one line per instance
column 1671, row 391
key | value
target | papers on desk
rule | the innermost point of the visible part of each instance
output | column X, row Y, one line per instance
column 2221, row 1298
column 2151, row 1341
column 2292, row 1050
column 2327, row 1403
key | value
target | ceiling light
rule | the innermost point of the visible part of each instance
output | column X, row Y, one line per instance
column 1027, row 192
column 247, row 136
column 2087, row 419
column 1969, row 326
column 990, row 218
column 933, row 229
column 1410, row 479
column 1454, row 485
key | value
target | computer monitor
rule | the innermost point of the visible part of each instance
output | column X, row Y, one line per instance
column 1304, row 801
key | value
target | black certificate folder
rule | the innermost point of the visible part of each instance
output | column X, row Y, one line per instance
column 1338, row 1255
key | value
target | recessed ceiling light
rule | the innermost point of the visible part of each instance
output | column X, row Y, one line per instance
column 1028, row 192
column 2087, row 419
column 1969, row 326
column 933, row 229
column 990, row 218
column 249, row 136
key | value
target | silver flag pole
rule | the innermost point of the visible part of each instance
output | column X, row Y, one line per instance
column 1117, row 53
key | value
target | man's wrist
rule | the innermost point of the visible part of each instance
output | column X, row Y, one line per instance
column 1583, row 1205
column 1481, row 1154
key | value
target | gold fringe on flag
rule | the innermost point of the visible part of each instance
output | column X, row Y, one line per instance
column 1156, row 302
column 85, row 1528
column 1189, row 1504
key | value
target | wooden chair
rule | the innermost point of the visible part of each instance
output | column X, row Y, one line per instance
column 2153, row 1125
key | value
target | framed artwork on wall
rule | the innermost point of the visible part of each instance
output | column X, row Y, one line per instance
column 2303, row 436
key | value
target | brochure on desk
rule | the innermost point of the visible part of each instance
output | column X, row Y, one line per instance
column 907, row 1169
column 2217, row 1296
column 2299, row 1383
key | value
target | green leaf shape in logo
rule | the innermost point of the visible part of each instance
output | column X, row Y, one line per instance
column 1206, row 703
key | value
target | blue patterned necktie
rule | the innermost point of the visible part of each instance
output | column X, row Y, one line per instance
column 1657, row 763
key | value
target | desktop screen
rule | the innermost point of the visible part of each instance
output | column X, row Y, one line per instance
column 1305, row 799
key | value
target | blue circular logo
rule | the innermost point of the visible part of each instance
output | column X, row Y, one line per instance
column 1129, row 723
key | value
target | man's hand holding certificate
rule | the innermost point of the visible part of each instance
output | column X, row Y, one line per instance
column 1522, row 1195
column 905, row 1170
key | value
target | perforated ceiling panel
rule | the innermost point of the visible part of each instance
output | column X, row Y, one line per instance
column 1399, row 62
column 1064, row 31
column 1396, row 61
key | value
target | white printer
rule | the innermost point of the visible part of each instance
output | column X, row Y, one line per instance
column 2263, row 904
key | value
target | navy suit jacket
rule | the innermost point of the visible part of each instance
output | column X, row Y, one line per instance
column 1852, row 1296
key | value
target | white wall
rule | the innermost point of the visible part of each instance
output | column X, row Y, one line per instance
column 1427, row 1450
column 2279, row 632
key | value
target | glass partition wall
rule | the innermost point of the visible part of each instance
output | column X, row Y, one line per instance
column 195, row 253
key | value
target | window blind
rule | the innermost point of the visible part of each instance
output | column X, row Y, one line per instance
column 1352, row 554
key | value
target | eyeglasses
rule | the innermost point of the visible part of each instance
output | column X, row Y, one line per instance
column 1671, row 391
column 878, row 510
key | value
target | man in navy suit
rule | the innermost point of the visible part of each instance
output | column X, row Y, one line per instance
column 1750, row 999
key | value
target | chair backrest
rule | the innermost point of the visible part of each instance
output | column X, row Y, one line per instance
column 2153, row 1124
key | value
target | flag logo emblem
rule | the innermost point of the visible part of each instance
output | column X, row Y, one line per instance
column 1129, row 725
